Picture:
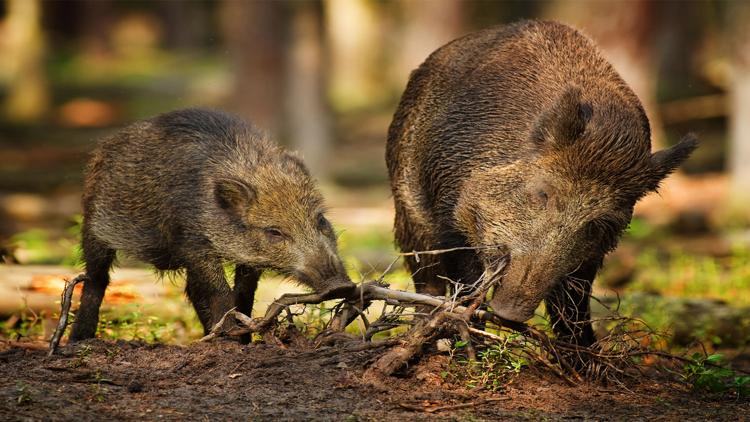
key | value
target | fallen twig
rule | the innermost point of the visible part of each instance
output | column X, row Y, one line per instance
column 65, row 302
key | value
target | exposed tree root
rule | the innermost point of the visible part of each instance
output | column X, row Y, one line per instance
column 609, row 360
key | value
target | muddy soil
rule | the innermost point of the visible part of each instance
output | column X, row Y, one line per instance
column 100, row 380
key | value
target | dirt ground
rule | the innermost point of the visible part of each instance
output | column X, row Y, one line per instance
column 100, row 380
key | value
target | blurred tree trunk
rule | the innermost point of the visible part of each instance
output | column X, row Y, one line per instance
column 739, row 89
column 353, row 35
column 181, row 15
column 426, row 26
column 309, row 130
column 94, row 24
column 626, row 32
column 28, row 93
column 255, row 35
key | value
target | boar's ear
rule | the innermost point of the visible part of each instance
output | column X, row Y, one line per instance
column 667, row 160
column 233, row 195
column 564, row 121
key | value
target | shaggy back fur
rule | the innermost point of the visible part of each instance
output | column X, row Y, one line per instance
column 525, row 139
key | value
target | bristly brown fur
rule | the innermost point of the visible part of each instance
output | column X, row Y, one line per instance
column 191, row 190
column 524, row 137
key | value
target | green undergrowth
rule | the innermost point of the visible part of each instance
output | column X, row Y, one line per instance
column 710, row 374
column 494, row 368
column 693, row 276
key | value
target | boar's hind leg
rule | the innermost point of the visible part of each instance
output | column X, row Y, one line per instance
column 209, row 292
column 568, row 307
column 98, row 257
column 245, row 283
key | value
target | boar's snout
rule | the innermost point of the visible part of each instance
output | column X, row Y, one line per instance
column 325, row 272
column 521, row 290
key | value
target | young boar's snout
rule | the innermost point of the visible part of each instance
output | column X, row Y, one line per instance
column 521, row 290
column 325, row 272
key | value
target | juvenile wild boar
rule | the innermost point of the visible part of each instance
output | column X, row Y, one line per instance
column 192, row 190
column 523, row 142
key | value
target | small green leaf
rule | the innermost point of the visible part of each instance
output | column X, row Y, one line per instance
column 715, row 358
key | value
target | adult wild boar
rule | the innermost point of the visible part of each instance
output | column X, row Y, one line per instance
column 523, row 142
column 192, row 190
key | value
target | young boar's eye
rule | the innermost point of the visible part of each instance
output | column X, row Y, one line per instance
column 273, row 234
column 323, row 223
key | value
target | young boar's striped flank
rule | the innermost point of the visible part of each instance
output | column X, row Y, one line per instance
column 192, row 190
column 523, row 141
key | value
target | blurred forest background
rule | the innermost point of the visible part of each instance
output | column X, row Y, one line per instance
column 324, row 78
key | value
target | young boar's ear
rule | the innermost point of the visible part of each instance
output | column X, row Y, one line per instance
column 233, row 195
column 563, row 122
column 667, row 160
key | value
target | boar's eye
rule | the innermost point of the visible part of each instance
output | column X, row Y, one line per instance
column 273, row 234
column 323, row 224
column 541, row 197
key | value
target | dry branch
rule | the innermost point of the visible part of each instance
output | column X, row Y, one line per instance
column 365, row 292
column 65, row 301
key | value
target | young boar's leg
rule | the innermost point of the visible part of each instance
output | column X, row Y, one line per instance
column 209, row 292
column 568, row 307
column 98, row 257
column 245, row 283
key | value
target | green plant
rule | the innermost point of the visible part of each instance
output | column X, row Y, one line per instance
column 24, row 394
column 82, row 355
column 494, row 368
column 97, row 392
column 706, row 374
column 134, row 325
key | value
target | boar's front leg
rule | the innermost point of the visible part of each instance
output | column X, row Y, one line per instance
column 245, row 283
column 426, row 269
column 209, row 292
column 568, row 307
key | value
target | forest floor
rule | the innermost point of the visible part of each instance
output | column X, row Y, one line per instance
column 223, row 380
